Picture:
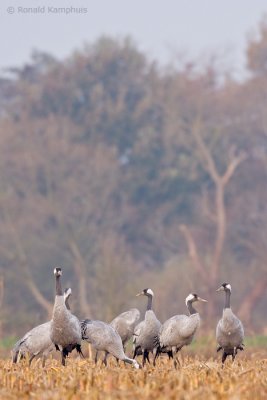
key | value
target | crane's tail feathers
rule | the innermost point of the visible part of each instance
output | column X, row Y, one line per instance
column 16, row 350
column 68, row 349
column 15, row 356
column 83, row 325
column 156, row 341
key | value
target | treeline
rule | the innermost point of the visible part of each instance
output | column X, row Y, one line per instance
column 128, row 175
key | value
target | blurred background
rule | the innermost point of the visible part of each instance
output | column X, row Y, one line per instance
column 133, row 154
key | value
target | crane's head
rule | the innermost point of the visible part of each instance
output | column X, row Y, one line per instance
column 192, row 297
column 57, row 271
column 67, row 293
column 225, row 287
column 146, row 292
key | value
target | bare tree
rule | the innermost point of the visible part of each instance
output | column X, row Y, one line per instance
column 27, row 279
column 215, row 211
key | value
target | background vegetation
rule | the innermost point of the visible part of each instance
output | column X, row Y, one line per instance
column 128, row 175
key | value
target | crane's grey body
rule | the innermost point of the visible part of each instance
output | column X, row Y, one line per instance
column 37, row 341
column 179, row 330
column 125, row 324
column 65, row 327
column 103, row 337
column 65, row 330
column 229, row 331
column 146, row 333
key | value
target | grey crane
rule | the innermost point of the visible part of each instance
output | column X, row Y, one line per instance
column 104, row 338
column 65, row 329
column 137, row 351
column 125, row 323
column 37, row 341
column 229, row 331
column 179, row 330
column 147, row 331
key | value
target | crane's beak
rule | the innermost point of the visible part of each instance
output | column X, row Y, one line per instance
column 220, row 289
column 203, row 300
column 139, row 294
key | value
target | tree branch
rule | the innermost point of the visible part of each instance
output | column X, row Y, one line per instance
column 80, row 270
column 232, row 167
column 192, row 249
column 206, row 207
column 252, row 298
column 209, row 162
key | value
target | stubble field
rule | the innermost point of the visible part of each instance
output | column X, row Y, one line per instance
column 198, row 377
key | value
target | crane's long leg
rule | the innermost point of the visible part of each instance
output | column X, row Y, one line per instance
column 234, row 353
column 31, row 358
column 175, row 357
column 104, row 361
column 43, row 361
column 145, row 357
column 156, row 355
column 224, row 356
column 96, row 357
column 135, row 353
column 63, row 358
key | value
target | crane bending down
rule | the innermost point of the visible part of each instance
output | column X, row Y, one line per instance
column 104, row 338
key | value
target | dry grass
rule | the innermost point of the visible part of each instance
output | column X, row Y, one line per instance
column 197, row 378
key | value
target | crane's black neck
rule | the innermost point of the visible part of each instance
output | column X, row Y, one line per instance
column 58, row 286
column 149, row 302
column 191, row 309
column 227, row 299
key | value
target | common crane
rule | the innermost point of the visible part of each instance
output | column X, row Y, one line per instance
column 37, row 341
column 65, row 330
column 104, row 338
column 147, row 331
column 229, row 331
column 179, row 330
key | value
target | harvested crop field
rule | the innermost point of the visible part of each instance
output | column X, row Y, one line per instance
column 196, row 378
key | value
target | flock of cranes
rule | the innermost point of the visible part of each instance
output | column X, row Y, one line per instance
column 65, row 332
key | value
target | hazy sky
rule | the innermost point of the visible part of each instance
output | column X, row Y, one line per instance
column 162, row 28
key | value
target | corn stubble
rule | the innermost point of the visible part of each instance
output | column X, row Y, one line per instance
column 196, row 378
